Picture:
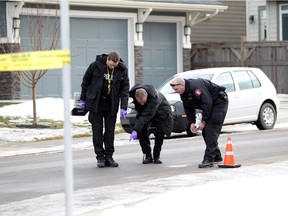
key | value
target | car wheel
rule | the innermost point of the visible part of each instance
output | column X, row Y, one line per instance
column 267, row 117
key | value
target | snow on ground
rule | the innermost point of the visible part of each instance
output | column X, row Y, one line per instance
column 265, row 196
column 47, row 108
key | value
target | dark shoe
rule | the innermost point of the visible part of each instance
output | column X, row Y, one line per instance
column 109, row 162
column 218, row 159
column 101, row 162
column 157, row 160
column 147, row 158
column 206, row 163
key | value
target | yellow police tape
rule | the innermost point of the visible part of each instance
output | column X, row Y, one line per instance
column 38, row 60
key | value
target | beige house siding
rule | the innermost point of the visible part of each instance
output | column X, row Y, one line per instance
column 228, row 26
column 253, row 10
column 272, row 20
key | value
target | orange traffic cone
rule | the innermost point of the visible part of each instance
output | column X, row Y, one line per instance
column 229, row 161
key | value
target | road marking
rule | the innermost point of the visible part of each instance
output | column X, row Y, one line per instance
column 38, row 60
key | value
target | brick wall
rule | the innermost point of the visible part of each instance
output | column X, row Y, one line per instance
column 186, row 59
column 138, row 52
column 9, row 86
column 9, row 81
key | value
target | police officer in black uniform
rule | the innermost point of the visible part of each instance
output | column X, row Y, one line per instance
column 213, row 101
column 152, row 108
column 105, row 85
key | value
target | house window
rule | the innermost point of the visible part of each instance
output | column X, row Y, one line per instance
column 283, row 22
column 263, row 24
column 3, row 27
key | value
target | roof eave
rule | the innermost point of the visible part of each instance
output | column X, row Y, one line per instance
column 155, row 6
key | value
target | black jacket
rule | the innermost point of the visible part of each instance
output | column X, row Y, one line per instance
column 93, row 80
column 200, row 94
column 156, row 110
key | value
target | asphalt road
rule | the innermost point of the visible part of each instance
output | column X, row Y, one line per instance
column 34, row 177
column 24, row 177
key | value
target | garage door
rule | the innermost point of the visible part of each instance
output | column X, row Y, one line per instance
column 159, row 52
column 89, row 37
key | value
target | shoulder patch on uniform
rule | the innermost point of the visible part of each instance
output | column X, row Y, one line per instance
column 198, row 92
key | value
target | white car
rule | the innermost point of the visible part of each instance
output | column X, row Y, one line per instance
column 252, row 98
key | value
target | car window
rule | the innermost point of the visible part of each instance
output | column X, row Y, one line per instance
column 165, row 87
column 244, row 80
column 255, row 81
column 225, row 79
column 202, row 76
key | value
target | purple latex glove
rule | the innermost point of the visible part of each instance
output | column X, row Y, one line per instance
column 133, row 135
column 82, row 104
column 123, row 113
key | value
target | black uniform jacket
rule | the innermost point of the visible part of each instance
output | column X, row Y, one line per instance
column 93, row 80
column 156, row 110
column 200, row 94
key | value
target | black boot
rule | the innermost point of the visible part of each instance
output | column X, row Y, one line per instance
column 157, row 160
column 206, row 163
column 101, row 162
column 147, row 158
column 109, row 162
column 218, row 159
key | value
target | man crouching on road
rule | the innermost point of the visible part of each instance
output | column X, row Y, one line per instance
column 213, row 101
column 152, row 108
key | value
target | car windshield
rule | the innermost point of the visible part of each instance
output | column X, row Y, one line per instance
column 165, row 87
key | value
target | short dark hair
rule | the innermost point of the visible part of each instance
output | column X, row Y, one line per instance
column 114, row 56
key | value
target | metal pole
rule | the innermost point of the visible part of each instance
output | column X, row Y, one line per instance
column 66, row 83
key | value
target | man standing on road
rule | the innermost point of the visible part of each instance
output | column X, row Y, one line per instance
column 152, row 108
column 213, row 101
column 105, row 85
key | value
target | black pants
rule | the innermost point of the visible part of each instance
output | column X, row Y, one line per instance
column 97, row 119
column 213, row 128
column 145, row 141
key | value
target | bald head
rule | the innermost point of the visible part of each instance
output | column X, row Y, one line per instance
column 178, row 84
column 141, row 96
column 140, row 93
column 177, row 80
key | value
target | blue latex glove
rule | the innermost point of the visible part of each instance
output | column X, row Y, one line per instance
column 133, row 135
column 123, row 113
column 82, row 104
